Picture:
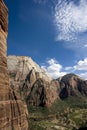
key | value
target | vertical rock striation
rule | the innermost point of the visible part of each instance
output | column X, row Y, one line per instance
column 43, row 93
column 33, row 83
column 13, row 113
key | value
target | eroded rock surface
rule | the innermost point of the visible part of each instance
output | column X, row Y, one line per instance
column 13, row 112
column 72, row 85
column 43, row 93
column 37, row 87
column 33, row 83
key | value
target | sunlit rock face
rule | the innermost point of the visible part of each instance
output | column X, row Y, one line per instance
column 13, row 113
column 34, row 84
column 24, row 72
column 21, row 66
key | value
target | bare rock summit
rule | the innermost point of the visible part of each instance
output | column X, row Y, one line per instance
column 34, row 84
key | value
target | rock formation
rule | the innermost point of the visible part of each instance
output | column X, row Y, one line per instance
column 43, row 93
column 37, row 87
column 22, row 66
column 31, row 81
column 72, row 85
column 13, row 113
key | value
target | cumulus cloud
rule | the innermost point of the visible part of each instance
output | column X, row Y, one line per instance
column 54, row 68
column 69, row 68
column 81, row 65
column 70, row 19
column 83, row 75
column 80, row 68
column 85, row 45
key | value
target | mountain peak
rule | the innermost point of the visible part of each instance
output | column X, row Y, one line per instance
column 24, row 64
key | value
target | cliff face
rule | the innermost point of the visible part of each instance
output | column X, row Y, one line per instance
column 72, row 85
column 24, row 72
column 34, row 84
column 13, row 113
column 43, row 93
column 20, row 66
column 37, row 87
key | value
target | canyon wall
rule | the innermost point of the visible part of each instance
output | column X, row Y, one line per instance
column 13, row 112
column 33, row 83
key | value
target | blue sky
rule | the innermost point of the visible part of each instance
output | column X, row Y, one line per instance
column 52, row 32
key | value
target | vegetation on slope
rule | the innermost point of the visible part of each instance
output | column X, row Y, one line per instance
column 68, row 114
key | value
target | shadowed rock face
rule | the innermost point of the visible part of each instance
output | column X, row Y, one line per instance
column 72, row 85
column 43, row 93
column 34, row 84
column 83, row 128
column 37, row 87
column 13, row 113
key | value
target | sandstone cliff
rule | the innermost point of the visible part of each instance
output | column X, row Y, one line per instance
column 72, row 85
column 13, row 113
column 37, row 87
column 43, row 93
column 33, row 83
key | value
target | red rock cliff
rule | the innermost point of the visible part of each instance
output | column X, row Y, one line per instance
column 13, row 114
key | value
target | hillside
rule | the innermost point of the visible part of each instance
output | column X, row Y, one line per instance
column 52, row 104
column 59, row 104
column 33, row 83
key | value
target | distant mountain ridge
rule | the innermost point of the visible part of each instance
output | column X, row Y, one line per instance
column 72, row 85
column 25, row 74
column 24, row 64
column 37, row 87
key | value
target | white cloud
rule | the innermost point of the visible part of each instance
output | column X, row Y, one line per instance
column 70, row 19
column 80, row 68
column 69, row 68
column 83, row 75
column 81, row 65
column 85, row 45
column 54, row 68
column 54, row 65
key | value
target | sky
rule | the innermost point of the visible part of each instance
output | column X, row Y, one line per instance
column 52, row 32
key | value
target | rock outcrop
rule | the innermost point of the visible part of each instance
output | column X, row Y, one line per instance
column 22, row 66
column 72, row 85
column 33, row 83
column 13, row 112
column 24, row 72
column 37, row 87
column 43, row 93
